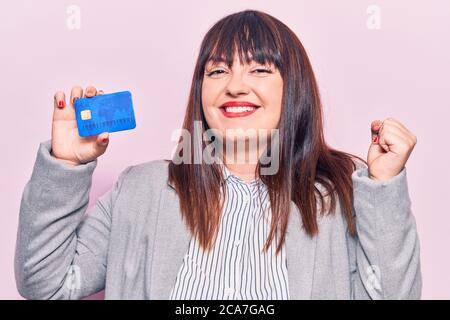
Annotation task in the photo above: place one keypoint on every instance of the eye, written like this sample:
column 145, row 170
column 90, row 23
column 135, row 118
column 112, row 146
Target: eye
column 263, row 70
column 258, row 71
column 215, row 72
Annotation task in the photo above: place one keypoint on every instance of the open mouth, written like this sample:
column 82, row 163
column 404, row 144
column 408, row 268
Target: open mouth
column 238, row 111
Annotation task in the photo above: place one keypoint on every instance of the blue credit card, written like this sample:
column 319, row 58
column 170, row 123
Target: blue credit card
column 105, row 113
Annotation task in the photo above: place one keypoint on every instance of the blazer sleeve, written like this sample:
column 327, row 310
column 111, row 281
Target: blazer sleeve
column 386, row 248
column 60, row 251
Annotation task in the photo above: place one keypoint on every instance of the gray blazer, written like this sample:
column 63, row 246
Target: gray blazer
column 132, row 242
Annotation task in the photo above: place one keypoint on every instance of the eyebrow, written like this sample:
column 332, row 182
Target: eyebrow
column 215, row 61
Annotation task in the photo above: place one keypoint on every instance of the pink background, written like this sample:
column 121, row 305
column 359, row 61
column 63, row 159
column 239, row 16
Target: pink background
column 400, row 70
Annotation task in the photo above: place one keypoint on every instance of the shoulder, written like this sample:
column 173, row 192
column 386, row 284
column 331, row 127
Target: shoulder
column 358, row 166
column 157, row 167
column 151, row 173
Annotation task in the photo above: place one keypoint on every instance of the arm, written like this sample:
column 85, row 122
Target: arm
column 60, row 253
column 387, row 250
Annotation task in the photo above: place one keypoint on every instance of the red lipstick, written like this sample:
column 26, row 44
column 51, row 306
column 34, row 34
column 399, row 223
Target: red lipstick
column 234, row 109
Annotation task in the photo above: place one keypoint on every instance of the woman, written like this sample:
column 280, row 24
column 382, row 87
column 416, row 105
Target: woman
column 308, row 222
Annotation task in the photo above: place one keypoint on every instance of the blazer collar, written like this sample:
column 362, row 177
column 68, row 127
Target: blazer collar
column 226, row 175
column 300, row 249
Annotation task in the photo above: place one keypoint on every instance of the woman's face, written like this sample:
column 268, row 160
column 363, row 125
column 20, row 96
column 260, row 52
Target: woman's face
column 256, row 91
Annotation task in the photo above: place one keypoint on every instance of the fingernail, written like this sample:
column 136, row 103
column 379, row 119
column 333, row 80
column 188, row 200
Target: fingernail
column 375, row 139
column 61, row 104
column 104, row 140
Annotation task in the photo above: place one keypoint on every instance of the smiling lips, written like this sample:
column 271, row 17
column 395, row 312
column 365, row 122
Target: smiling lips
column 235, row 109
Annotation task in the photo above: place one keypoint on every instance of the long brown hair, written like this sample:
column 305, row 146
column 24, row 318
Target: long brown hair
column 304, row 157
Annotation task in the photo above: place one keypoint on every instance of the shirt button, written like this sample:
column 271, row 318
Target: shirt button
column 237, row 242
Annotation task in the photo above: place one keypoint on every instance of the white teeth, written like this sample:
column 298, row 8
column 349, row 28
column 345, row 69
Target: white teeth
column 239, row 109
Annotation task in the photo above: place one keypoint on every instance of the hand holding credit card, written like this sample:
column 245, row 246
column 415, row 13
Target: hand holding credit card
column 105, row 113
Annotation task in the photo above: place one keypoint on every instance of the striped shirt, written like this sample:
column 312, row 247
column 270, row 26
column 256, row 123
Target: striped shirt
column 236, row 267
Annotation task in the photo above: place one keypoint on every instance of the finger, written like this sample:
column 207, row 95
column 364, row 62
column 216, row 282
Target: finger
column 389, row 126
column 103, row 139
column 384, row 141
column 375, row 126
column 377, row 130
column 60, row 111
column 75, row 93
column 100, row 92
column 90, row 92
column 59, row 99
column 391, row 141
column 399, row 125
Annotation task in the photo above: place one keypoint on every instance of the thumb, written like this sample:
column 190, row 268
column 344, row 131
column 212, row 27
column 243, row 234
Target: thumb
column 375, row 127
column 103, row 139
column 378, row 142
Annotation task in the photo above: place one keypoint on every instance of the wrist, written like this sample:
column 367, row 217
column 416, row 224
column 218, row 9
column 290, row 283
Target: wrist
column 69, row 162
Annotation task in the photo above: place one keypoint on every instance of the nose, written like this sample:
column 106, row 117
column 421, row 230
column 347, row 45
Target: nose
column 236, row 86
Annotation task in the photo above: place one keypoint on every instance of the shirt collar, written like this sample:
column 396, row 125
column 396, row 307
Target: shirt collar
column 226, row 172
column 228, row 176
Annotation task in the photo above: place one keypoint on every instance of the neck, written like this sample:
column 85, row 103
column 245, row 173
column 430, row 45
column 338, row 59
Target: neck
column 243, row 165
column 244, row 171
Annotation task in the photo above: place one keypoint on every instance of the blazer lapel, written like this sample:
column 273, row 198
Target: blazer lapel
column 172, row 240
column 300, row 253
column 171, row 244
